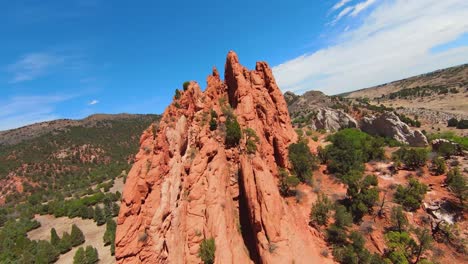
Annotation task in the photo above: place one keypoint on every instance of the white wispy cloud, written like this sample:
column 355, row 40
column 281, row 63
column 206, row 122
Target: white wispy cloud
column 351, row 10
column 343, row 13
column 358, row 8
column 23, row 110
column 394, row 41
column 340, row 4
column 93, row 102
column 33, row 65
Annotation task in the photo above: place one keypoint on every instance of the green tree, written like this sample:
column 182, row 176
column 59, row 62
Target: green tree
column 302, row 160
column 457, row 184
column 400, row 246
column 287, row 182
column 109, row 235
column 350, row 149
column 233, row 132
column 65, row 244
column 45, row 253
column 320, row 210
column 424, row 242
column 54, row 238
column 108, row 211
column 362, row 193
column 91, row 254
column 99, row 217
column 342, row 217
column 207, row 251
column 398, row 218
column 412, row 195
column 336, row 235
column 77, row 236
column 80, row 256
column 251, row 140
column 213, row 120
column 412, row 157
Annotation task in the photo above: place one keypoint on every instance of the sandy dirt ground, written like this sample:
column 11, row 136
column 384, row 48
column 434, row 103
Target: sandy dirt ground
column 92, row 232
column 118, row 185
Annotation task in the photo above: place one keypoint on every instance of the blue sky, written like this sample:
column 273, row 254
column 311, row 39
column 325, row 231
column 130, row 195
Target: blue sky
column 70, row 59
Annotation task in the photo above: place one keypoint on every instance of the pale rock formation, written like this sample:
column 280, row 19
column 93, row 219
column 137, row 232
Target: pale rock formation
column 389, row 125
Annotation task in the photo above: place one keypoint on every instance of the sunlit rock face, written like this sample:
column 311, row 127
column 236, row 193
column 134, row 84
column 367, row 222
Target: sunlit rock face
column 187, row 185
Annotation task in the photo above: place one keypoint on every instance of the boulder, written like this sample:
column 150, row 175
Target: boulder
column 332, row 120
column 389, row 125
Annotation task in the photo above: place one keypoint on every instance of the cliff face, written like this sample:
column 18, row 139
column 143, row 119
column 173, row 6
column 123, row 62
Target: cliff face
column 187, row 185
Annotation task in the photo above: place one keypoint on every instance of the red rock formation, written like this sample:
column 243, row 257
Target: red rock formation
column 186, row 185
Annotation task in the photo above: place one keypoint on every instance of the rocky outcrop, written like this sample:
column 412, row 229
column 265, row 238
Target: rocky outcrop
column 332, row 120
column 389, row 125
column 187, row 185
column 315, row 108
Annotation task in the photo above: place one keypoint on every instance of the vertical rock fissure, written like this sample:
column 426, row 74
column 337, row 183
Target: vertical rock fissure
column 248, row 232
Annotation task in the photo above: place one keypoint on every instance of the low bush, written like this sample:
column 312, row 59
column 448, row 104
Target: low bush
column 207, row 251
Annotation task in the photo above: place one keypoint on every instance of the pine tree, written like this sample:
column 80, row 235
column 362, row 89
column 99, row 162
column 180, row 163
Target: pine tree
column 65, row 244
column 99, row 217
column 91, row 255
column 77, row 236
column 54, row 238
column 108, row 209
column 80, row 257
column 45, row 252
column 115, row 209
column 109, row 235
column 90, row 213
column 342, row 217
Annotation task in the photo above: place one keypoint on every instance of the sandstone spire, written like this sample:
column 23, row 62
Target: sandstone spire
column 187, row 185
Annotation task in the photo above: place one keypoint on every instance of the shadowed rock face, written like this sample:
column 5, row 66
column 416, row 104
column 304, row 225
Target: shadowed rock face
column 186, row 185
column 389, row 125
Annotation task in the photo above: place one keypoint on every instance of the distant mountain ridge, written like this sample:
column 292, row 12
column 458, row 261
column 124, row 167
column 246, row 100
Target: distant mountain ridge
column 17, row 135
column 71, row 154
column 456, row 76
